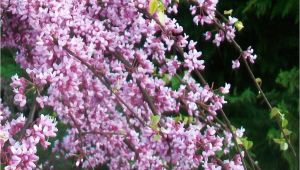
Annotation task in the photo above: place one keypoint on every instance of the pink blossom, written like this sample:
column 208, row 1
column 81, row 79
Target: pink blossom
column 20, row 100
column 248, row 54
column 232, row 20
column 240, row 132
column 204, row 17
column 219, row 37
column 230, row 33
column 173, row 9
column 235, row 64
column 42, row 100
column 225, row 90
column 18, row 82
column 23, row 154
column 173, row 65
column 191, row 60
column 207, row 35
column 19, row 85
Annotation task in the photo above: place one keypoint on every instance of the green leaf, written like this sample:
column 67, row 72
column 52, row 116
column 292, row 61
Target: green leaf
column 178, row 118
column 219, row 153
column 233, row 128
column 161, row 17
column 131, row 162
column 156, row 137
column 239, row 25
column 274, row 112
column 166, row 78
column 154, row 127
column 161, row 6
column 279, row 141
column 190, row 119
column 247, row 144
column 185, row 120
column 175, row 83
column 284, row 146
column 286, row 132
column 153, row 6
column 155, row 119
column 284, row 123
column 228, row 12
column 239, row 141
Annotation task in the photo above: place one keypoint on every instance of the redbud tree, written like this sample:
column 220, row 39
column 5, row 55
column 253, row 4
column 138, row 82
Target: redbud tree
column 126, row 80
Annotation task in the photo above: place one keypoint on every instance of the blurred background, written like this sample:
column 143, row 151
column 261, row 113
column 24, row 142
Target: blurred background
column 272, row 29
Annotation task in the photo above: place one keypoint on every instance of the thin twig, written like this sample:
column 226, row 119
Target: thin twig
column 80, row 138
column 253, row 164
column 147, row 98
column 29, row 120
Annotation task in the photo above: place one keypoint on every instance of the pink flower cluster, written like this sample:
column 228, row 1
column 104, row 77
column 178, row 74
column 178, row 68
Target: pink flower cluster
column 21, row 154
column 4, row 115
column 19, row 87
column 226, row 30
column 207, row 10
column 191, row 59
column 101, row 64
column 226, row 33
column 248, row 55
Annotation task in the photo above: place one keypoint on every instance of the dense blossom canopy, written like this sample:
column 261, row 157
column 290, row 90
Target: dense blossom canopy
column 104, row 66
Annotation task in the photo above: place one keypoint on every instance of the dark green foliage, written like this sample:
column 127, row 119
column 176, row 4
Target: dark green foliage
column 8, row 65
column 278, row 8
column 289, row 79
